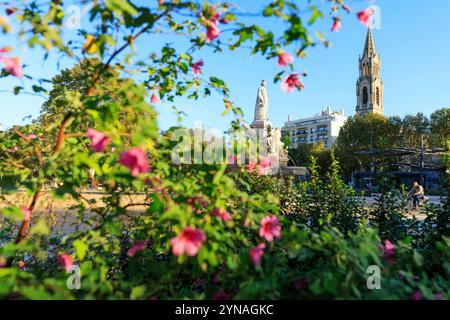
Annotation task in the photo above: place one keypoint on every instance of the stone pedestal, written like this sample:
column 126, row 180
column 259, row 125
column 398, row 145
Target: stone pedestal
column 284, row 160
column 260, row 124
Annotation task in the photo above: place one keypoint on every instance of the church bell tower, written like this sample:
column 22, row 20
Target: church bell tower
column 369, row 87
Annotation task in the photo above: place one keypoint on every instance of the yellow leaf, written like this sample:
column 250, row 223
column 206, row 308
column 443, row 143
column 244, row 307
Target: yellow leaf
column 90, row 46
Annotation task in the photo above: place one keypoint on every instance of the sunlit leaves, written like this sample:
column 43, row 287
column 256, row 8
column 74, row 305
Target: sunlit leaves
column 315, row 15
column 120, row 6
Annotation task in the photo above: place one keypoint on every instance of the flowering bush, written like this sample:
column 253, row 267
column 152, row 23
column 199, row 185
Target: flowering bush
column 199, row 232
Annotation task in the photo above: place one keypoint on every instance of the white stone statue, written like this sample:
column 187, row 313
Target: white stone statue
column 277, row 140
column 262, row 103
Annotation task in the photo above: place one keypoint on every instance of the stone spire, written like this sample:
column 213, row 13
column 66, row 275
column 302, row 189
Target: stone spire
column 369, row 87
column 369, row 48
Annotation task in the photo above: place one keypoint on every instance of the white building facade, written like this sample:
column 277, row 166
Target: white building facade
column 323, row 127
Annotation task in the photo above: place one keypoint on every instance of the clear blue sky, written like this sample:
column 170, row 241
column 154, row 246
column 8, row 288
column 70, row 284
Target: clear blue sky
column 413, row 43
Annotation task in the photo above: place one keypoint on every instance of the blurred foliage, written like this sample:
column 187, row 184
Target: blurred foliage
column 326, row 241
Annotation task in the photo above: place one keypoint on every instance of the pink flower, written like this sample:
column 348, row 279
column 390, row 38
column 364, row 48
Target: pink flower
column 417, row 295
column 198, row 201
column 197, row 67
column 136, row 247
column 212, row 31
column 26, row 212
column 5, row 49
column 32, row 136
column 189, row 241
column 347, row 8
column 222, row 214
column 336, row 25
column 439, row 296
column 135, row 160
column 216, row 18
column 215, row 15
column 160, row 2
column 10, row 11
column 232, row 159
column 21, row 265
column 12, row 66
column 284, row 59
column 155, row 98
column 270, row 228
column 264, row 164
column 256, row 253
column 291, row 82
column 251, row 166
column 388, row 248
column 66, row 261
column 365, row 16
column 221, row 295
column 13, row 150
column 99, row 140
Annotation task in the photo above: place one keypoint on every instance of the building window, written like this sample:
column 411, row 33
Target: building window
column 378, row 96
column 365, row 96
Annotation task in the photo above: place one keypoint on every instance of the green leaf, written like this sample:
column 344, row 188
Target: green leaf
column 418, row 259
column 80, row 249
column 17, row 89
column 121, row 5
column 13, row 212
column 40, row 229
column 137, row 292
column 316, row 14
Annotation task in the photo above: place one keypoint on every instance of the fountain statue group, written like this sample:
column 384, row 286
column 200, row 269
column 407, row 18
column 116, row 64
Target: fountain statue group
column 275, row 147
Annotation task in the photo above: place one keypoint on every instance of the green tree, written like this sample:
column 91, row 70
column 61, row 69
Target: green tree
column 67, row 89
column 365, row 133
column 440, row 128
column 413, row 128
column 304, row 152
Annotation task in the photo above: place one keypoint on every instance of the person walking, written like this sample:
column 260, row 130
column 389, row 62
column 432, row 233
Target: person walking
column 92, row 181
column 417, row 193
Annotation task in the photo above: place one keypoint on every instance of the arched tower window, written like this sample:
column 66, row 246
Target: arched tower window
column 378, row 96
column 365, row 96
column 366, row 70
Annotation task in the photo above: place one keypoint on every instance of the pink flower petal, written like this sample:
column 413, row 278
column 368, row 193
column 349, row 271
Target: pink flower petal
column 222, row 214
column 99, row 140
column 197, row 67
column 365, row 16
column 155, row 98
column 256, row 253
column 66, row 261
column 212, row 32
column 336, row 25
column 12, row 66
column 189, row 241
column 137, row 247
column 26, row 212
column 285, row 59
column 270, row 228
column 135, row 160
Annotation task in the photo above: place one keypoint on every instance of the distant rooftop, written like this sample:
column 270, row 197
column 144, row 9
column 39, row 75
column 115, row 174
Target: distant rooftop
column 325, row 113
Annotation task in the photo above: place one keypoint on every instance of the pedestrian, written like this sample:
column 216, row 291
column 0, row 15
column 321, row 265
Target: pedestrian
column 417, row 193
